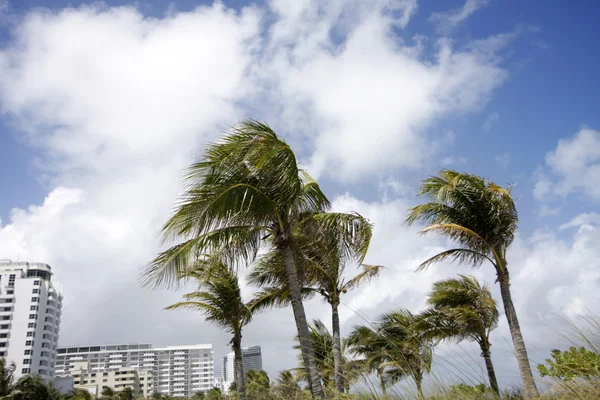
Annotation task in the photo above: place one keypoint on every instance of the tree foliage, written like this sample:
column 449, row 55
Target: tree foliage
column 574, row 363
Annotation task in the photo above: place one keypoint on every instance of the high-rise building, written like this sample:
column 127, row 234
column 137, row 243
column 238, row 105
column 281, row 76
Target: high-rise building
column 251, row 360
column 30, row 309
column 177, row 370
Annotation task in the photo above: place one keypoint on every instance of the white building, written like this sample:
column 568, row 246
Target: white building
column 140, row 381
column 178, row 370
column 251, row 360
column 30, row 309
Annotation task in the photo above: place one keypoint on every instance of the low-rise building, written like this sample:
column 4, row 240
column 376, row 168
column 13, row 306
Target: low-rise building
column 141, row 382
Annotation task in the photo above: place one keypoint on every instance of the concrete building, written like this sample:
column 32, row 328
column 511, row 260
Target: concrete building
column 178, row 370
column 140, row 381
column 251, row 360
column 30, row 310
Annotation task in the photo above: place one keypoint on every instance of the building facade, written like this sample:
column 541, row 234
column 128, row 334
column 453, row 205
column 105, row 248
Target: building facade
column 141, row 382
column 30, row 311
column 177, row 370
column 251, row 360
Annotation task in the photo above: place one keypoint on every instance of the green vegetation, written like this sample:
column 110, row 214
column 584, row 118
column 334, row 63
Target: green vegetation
column 571, row 364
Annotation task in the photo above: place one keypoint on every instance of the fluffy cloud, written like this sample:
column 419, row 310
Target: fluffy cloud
column 118, row 104
column 574, row 167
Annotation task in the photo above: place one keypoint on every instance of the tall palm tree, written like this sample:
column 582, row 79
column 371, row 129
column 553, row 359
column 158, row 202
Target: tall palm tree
column 482, row 218
column 366, row 342
column 462, row 308
column 324, row 265
column 32, row 387
column 222, row 304
column 408, row 352
column 246, row 192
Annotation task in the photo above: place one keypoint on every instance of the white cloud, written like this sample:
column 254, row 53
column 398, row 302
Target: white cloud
column 573, row 167
column 448, row 20
column 446, row 161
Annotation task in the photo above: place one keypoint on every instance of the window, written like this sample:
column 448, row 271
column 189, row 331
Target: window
column 29, row 343
column 27, row 361
column 7, row 309
column 5, row 317
column 8, row 300
column 3, row 335
column 31, row 325
column 104, row 380
column 32, row 316
column 42, row 372
column 35, row 299
column 47, row 336
column 30, row 334
column 33, row 308
column 4, row 326
column 45, row 354
column 27, row 352
column 10, row 291
column 25, row 371
column 35, row 291
column 36, row 283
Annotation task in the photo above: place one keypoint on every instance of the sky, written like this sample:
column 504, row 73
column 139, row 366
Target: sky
column 104, row 104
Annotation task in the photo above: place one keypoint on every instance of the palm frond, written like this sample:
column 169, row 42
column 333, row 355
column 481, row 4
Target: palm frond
column 369, row 272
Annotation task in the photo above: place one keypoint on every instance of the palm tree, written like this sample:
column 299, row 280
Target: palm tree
column 408, row 352
column 482, row 218
column 107, row 392
column 324, row 344
column 246, row 192
column 7, row 377
column 79, row 394
column 366, row 342
column 287, row 386
column 222, row 304
column 324, row 264
column 32, row 387
column 462, row 308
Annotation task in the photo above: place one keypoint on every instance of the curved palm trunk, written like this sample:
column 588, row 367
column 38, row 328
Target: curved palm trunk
column 529, row 388
column 382, row 382
column 238, row 365
column 337, row 349
column 419, row 382
column 487, row 356
column 306, row 347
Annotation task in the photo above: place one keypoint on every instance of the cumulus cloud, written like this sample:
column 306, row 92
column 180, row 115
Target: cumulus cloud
column 118, row 104
column 446, row 21
column 573, row 167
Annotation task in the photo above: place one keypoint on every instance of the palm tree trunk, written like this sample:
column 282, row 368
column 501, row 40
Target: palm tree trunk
column 487, row 356
column 382, row 382
column 308, row 353
column 238, row 366
column 419, row 382
column 529, row 388
column 337, row 348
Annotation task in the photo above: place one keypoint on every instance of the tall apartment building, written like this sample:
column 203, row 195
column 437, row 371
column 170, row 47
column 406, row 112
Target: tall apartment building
column 177, row 370
column 30, row 309
column 251, row 360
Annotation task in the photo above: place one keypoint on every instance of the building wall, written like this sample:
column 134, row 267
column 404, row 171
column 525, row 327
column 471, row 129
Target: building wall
column 178, row 370
column 30, row 311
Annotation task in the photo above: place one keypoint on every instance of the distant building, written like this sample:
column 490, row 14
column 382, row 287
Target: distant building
column 178, row 371
column 251, row 360
column 30, row 310
column 140, row 381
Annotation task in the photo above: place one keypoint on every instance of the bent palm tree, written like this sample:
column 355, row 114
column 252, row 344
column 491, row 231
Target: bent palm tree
column 366, row 342
column 247, row 191
column 324, row 344
column 482, row 217
column 7, row 377
column 462, row 308
column 221, row 302
column 408, row 352
column 324, row 261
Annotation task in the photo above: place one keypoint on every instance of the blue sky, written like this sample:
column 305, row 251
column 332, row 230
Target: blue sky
column 103, row 106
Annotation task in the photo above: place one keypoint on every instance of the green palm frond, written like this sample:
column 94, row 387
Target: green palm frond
column 369, row 272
